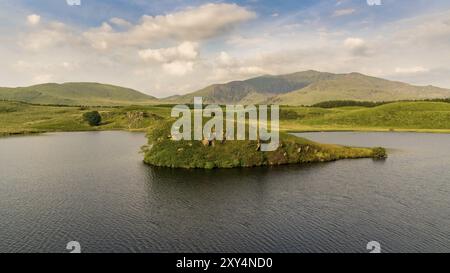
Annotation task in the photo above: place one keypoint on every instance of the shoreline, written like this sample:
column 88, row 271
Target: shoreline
column 368, row 130
column 32, row 133
column 289, row 131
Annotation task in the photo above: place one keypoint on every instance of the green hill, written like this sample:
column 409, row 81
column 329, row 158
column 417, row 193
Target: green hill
column 359, row 87
column 310, row 87
column 256, row 90
column 398, row 116
column 76, row 94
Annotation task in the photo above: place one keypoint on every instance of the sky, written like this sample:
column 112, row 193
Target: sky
column 168, row 47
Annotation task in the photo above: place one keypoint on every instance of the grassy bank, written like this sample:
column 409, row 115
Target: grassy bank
column 23, row 118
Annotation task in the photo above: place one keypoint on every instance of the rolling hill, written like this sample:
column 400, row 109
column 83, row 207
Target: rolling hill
column 359, row 87
column 407, row 116
column 255, row 90
column 301, row 88
column 76, row 94
column 310, row 87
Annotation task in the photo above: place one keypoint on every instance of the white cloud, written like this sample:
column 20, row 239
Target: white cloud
column 185, row 51
column 193, row 24
column 411, row 70
column 53, row 34
column 353, row 43
column 226, row 68
column 343, row 12
column 45, row 78
column 33, row 19
column 178, row 68
column 357, row 46
column 120, row 22
column 225, row 59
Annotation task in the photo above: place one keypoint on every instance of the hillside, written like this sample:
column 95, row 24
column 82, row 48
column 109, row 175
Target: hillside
column 75, row 94
column 398, row 116
column 359, row 87
column 310, row 87
column 255, row 90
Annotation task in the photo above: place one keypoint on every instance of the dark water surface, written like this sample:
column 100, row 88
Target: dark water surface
column 94, row 188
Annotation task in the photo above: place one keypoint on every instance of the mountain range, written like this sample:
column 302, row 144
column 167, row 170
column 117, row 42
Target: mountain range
column 301, row 88
column 89, row 94
column 310, row 87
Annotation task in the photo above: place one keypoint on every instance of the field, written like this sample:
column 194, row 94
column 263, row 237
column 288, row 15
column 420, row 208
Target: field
column 399, row 116
column 23, row 118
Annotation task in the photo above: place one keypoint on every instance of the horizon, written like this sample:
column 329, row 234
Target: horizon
column 219, row 83
column 167, row 48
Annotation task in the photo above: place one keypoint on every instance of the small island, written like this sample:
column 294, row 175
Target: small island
column 162, row 151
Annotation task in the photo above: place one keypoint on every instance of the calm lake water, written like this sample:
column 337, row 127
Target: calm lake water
column 94, row 188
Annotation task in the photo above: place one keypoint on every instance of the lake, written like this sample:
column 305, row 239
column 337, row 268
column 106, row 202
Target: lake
column 93, row 188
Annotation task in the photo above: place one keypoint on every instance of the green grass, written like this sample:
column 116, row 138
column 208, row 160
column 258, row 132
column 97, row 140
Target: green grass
column 164, row 152
column 76, row 94
column 400, row 116
column 22, row 118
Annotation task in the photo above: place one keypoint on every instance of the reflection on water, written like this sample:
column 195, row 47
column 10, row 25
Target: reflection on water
column 94, row 188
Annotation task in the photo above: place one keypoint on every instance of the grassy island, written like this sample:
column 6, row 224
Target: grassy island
column 164, row 152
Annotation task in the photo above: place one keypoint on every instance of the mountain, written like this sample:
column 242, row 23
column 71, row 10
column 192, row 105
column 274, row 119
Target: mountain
column 359, row 87
column 310, row 87
column 301, row 88
column 76, row 94
column 256, row 90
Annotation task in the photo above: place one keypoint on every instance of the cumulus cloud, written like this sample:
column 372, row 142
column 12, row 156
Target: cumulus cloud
column 226, row 67
column 225, row 59
column 357, row 46
column 120, row 22
column 192, row 24
column 44, row 78
column 411, row 70
column 186, row 51
column 178, row 68
column 53, row 34
column 343, row 12
column 33, row 19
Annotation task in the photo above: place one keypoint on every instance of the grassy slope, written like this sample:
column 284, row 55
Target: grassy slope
column 356, row 86
column 401, row 116
column 164, row 152
column 19, row 118
column 254, row 91
column 310, row 87
column 16, row 118
column 76, row 94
